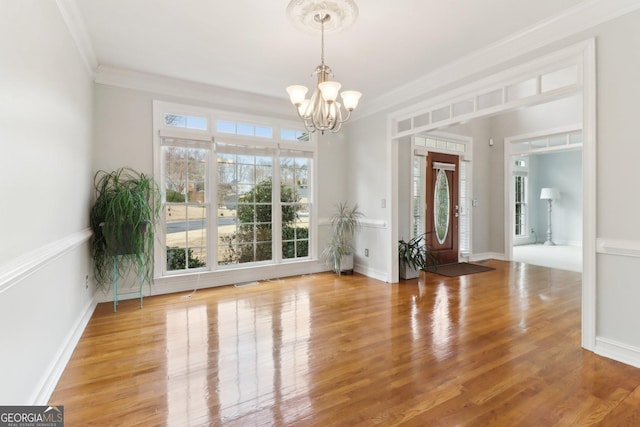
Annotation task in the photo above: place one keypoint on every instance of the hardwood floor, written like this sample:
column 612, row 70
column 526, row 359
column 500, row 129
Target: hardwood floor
column 499, row 348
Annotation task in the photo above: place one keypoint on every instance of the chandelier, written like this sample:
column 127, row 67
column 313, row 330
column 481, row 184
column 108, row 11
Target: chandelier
column 322, row 111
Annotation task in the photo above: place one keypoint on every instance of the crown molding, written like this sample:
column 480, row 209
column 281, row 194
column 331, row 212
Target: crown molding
column 215, row 96
column 75, row 25
column 571, row 22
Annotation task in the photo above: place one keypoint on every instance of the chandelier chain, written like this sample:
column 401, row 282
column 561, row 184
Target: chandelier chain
column 322, row 19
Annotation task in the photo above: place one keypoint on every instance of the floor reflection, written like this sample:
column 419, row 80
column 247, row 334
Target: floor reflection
column 187, row 346
column 441, row 323
column 263, row 356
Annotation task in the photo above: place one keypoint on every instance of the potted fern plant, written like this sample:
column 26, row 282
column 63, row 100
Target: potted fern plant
column 339, row 252
column 122, row 218
column 414, row 256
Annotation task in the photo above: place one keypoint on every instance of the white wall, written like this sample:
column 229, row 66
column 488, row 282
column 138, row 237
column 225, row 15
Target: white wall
column 368, row 184
column 45, row 182
column 405, row 184
column 123, row 129
column 484, row 170
column 618, row 293
column 333, row 168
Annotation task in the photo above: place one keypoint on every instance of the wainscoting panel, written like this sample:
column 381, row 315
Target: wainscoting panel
column 46, row 301
column 617, row 300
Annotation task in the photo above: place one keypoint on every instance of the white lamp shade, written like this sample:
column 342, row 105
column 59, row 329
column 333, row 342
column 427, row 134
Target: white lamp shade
column 549, row 194
column 329, row 90
column 297, row 94
column 350, row 99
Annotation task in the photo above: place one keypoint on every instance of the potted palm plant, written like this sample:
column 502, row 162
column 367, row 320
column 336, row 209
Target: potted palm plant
column 414, row 256
column 339, row 252
column 122, row 218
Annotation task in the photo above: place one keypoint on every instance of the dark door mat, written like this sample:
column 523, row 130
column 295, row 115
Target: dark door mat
column 458, row 269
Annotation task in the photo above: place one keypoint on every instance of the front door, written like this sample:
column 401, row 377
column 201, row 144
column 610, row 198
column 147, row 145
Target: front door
column 442, row 207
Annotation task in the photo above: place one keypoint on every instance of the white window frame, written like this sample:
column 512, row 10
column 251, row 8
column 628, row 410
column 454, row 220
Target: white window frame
column 161, row 262
column 275, row 145
column 524, row 173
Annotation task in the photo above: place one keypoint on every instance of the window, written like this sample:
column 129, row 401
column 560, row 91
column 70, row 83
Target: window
column 440, row 144
column 245, row 184
column 245, row 200
column 295, row 204
column 187, row 122
column 418, row 195
column 520, row 195
column 185, row 208
column 545, row 143
column 464, row 220
column 520, row 208
column 244, row 129
column 294, row 135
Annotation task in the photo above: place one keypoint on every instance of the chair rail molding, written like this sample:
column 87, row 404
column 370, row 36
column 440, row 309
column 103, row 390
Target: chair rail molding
column 25, row 265
column 629, row 248
column 364, row 222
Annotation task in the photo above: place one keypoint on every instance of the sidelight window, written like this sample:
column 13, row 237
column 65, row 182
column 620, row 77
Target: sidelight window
column 520, row 207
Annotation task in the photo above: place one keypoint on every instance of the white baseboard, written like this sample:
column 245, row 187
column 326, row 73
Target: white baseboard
column 567, row 242
column 212, row 279
column 47, row 384
column 618, row 351
column 485, row 256
column 370, row 272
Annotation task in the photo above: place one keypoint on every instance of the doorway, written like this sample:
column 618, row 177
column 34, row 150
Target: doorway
column 509, row 90
column 552, row 160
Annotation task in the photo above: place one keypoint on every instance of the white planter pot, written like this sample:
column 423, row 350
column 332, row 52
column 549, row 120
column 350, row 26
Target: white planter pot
column 346, row 264
column 407, row 272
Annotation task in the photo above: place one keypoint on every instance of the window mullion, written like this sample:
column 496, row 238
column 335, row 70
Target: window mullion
column 161, row 232
column 276, row 217
column 211, row 201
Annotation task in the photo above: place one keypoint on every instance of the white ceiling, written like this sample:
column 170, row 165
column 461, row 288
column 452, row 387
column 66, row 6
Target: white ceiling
column 251, row 45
